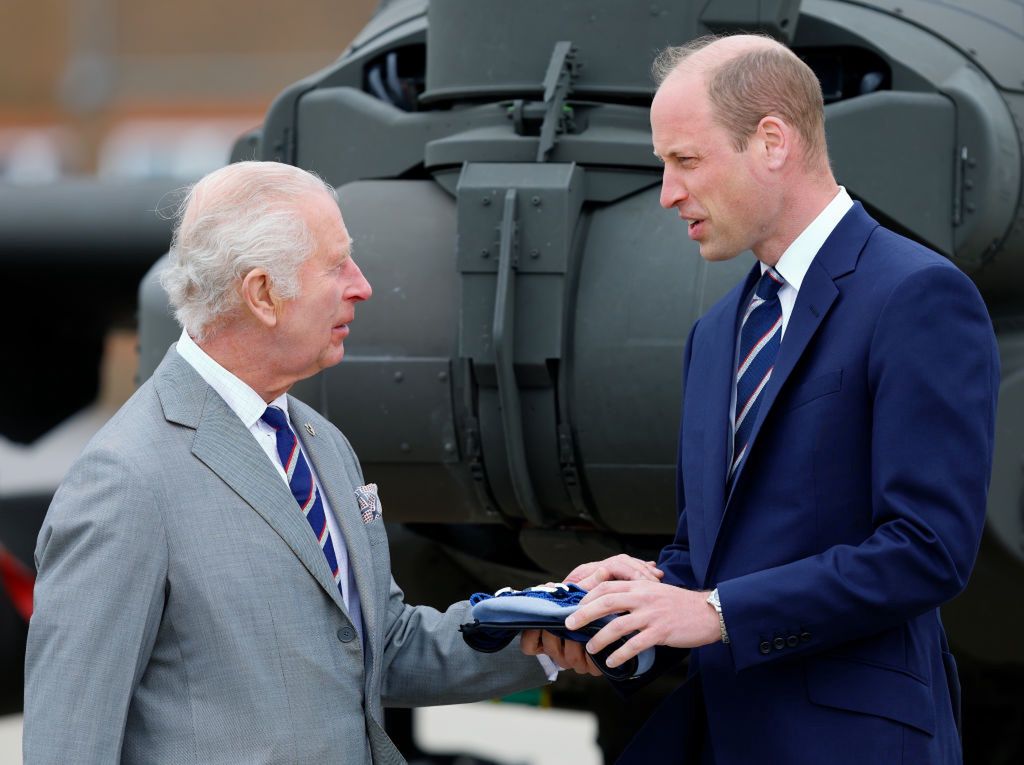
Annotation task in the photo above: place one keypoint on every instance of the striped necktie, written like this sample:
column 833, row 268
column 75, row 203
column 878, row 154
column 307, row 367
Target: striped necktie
column 760, row 337
column 300, row 479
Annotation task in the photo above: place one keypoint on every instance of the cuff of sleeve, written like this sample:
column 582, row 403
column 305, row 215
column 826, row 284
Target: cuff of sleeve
column 549, row 667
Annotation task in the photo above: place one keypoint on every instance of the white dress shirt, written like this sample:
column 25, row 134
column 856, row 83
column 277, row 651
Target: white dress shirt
column 249, row 406
column 795, row 261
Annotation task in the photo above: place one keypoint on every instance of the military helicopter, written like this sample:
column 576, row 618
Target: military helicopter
column 513, row 386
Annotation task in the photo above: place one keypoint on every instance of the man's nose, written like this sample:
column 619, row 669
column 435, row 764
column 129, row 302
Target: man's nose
column 360, row 288
column 673, row 191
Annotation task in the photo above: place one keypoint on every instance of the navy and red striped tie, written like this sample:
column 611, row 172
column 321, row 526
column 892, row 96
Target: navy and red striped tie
column 303, row 487
column 760, row 337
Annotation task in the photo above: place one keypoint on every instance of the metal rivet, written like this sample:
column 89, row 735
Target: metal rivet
column 449, row 447
column 970, row 207
column 534, row 253
column 485, row 253
column 486, row 201
column 442, row 376
column 535, row 201
column 399, row 377
column 404, row 447
column 968, row 184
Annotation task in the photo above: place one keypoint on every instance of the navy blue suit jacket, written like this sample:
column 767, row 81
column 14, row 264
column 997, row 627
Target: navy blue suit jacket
column 858, row 511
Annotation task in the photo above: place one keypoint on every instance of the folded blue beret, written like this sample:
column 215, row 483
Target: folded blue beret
column 498, row 618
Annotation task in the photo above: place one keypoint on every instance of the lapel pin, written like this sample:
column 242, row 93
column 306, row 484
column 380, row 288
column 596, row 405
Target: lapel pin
column 309, row 429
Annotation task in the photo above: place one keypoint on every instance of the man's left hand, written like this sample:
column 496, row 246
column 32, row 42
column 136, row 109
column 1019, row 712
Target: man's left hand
column 660, row 614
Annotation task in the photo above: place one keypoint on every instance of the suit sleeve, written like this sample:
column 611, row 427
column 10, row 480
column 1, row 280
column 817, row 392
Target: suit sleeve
column 102, row 563
column 426, row 661
column 933, row 376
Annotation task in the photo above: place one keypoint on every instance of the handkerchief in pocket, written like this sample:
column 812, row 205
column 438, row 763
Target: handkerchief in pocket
column 369, row 502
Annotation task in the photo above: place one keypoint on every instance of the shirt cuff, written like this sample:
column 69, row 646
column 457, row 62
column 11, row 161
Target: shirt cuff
column 549, row 667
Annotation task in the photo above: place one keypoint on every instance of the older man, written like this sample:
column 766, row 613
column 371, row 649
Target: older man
column 214, row 582
column 835, row 447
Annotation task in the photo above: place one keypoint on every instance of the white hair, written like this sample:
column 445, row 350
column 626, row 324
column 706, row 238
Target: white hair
column 244, row 216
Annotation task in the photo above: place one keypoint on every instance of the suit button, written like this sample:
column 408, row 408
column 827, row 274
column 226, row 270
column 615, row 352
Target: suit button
column 779, row 643
column 346, row 634
column 765, row 647
column 792, row 640
column 805, row 636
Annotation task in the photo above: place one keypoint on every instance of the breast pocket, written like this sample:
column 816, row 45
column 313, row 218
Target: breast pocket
column 815, row 388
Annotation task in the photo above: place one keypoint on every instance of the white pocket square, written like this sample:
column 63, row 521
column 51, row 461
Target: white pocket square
column 369, row 502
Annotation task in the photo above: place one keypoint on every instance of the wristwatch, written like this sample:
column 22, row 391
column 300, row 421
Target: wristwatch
column 716, row 604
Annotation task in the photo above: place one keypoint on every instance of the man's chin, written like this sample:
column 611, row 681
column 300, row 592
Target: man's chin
column 333, row 356
column 713, row 254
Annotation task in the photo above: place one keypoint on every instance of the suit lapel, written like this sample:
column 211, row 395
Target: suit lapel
column 340, row 493
column 818, row 292
column 226, row 446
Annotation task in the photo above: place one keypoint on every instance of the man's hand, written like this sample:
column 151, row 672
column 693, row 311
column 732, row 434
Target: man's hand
column 660, row 614
column 567, row 654
column 617, row 568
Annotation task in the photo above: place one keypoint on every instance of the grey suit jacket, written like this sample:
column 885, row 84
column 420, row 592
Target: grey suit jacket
column 184, row 612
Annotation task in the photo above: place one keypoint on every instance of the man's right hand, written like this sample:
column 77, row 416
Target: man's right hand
column 620, row 567
column 568, row 654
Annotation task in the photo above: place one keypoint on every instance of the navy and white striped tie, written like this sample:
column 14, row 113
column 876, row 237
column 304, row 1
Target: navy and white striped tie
column 760, row 337
column 300, row 480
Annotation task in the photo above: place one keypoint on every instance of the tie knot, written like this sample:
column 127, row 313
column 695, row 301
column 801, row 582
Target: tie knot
column 769, row 285
column 275, row 418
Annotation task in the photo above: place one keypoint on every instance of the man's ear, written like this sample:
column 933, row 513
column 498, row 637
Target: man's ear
column 775, row 137
column 258, row 297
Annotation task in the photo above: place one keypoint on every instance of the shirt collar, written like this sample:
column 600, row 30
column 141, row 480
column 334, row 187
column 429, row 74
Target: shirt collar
column 240, row 398
column 795, row 261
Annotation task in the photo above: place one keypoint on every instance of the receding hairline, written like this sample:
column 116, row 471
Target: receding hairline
column 704, row 55
column 746, row 78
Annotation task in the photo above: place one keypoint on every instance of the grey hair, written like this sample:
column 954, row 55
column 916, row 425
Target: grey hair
column 243, row 216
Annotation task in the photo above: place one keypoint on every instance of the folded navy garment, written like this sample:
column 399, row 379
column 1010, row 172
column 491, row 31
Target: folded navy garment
column 498, row 618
